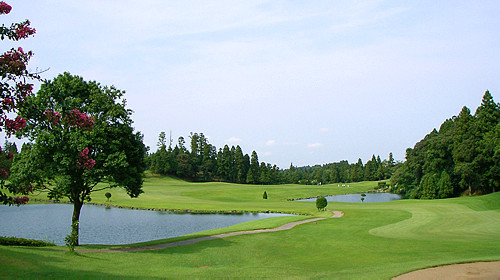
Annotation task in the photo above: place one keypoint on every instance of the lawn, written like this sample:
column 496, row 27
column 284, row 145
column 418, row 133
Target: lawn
column 371, row 241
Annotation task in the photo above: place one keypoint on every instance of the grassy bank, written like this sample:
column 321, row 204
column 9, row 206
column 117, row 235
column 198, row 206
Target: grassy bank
column 371, row 241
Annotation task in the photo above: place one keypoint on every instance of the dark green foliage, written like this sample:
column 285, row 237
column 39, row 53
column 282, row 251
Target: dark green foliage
column 463, row 157
column 230, row 164
column 7, row 153
column 264, row 196
column 52, row 161
column 108, row 195
column 14, row 241
column 321, row 203
column 445, row 187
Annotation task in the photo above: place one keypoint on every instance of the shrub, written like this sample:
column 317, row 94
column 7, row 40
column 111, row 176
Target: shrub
column 382, row 185
column 264, row 196
column 321, row 203
column 14, row 241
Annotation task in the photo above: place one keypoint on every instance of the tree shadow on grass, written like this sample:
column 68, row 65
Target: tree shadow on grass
column 26, row 264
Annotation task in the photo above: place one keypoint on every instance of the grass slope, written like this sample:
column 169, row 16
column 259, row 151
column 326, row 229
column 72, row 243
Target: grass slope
column 371, row 241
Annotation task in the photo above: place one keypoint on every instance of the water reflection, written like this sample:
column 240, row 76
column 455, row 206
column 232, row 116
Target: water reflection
column 368, row 198
column 106, row 225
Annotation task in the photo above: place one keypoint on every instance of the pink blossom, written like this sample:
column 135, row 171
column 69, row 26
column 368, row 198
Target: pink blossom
column 24, row 89
column 52, row 116
column 8, row 102
column 27, row 190
column 3, row 174
column 15, row 125
column 14, row 61
column 84, row 161
column 20, row 200
column 10, row 155
column 24, row 32
column 4, row 8
column 76, row 118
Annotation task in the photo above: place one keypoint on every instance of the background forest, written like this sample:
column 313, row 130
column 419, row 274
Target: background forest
column 462, row 156
column 203, row 162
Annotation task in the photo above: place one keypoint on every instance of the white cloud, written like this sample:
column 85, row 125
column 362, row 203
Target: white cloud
column 324, row 130
column 233, row 140
column 271, row 143
column 314, row 145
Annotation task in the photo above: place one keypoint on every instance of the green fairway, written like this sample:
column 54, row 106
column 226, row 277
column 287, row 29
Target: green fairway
column 371, row 241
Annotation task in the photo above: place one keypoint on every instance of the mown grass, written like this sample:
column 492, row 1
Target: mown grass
column 371, row 241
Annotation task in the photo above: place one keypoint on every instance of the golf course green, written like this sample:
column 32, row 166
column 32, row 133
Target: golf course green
column 371, row 240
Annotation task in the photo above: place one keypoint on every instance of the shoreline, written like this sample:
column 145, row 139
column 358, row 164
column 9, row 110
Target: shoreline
column 176, row 211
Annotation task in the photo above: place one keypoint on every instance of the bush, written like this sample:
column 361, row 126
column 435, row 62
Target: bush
column 264, row 196
column 382, row 185
column 14, row 241
column 321, row 203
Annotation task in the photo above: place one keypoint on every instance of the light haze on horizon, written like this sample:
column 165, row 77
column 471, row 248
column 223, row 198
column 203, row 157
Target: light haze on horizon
column 308, row 82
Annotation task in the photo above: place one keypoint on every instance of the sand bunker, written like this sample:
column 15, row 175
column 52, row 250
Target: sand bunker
column 465, row 271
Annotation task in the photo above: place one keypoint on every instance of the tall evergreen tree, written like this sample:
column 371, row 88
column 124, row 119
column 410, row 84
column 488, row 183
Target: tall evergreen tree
column 253, row 175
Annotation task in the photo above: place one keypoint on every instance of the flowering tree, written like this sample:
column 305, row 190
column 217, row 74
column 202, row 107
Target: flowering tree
column 80, row 136
column 14, row 89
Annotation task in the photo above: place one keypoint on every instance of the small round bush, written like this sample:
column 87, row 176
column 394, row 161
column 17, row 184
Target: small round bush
column 321, row 203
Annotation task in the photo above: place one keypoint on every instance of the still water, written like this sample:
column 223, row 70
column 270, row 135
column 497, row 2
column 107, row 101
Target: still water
column 369, row 198
column 110, row 226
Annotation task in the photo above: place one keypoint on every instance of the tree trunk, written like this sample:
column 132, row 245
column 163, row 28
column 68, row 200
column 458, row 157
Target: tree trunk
column 75, row 221
column 470, row 190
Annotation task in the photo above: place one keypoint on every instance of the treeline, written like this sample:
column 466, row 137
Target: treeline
column 463, row 157
column 342, row 172
column 203, row 162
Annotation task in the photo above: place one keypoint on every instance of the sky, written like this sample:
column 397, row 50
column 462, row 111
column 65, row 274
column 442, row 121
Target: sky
column 302, row 82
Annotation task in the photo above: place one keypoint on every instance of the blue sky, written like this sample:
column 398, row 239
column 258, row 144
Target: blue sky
column 308, row 82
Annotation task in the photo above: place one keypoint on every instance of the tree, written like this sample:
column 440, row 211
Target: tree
column 363, row 197
column 429, row 186
column 445, row 188
column 321, row 203
column 462, row 157
column 14, row 89
column 80, row 136
column 390, row 161
column 466, row 142
column 264, row 196
column 108, row 196
column 254, row 170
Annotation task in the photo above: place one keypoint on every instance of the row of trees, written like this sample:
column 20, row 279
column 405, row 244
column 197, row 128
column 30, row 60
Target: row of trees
column 203, row 162
column 462, row 157
column 342, row 172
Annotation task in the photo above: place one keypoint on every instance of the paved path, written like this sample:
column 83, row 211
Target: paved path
column 336, row 214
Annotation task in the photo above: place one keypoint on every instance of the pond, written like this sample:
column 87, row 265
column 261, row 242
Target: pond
column 110, row 226
column 369, row 198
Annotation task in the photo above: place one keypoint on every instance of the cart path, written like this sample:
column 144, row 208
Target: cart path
column 336, row 214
